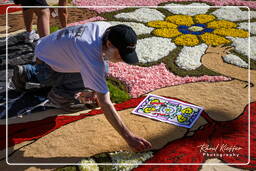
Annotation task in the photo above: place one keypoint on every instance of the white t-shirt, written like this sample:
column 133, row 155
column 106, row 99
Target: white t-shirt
column 77, row 49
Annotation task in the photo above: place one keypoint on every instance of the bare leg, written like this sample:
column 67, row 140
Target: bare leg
column 43, row 21
column 62, row 12
column 28, row 18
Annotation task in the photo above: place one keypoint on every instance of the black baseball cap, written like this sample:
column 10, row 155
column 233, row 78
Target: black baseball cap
column 124, row 39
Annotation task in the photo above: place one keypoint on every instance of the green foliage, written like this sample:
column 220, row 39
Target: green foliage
column 54, row 28
column 118, row 95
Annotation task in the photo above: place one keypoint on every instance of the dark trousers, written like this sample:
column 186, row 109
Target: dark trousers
column 63, row 84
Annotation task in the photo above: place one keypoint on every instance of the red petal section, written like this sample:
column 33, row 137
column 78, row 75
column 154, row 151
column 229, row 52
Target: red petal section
column 234, row 134
column 5, row 6
column 226, row 137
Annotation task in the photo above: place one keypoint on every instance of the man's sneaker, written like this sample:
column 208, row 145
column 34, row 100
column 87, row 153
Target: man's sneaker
column 19, row 78
column 66, row 104
column 30, row 37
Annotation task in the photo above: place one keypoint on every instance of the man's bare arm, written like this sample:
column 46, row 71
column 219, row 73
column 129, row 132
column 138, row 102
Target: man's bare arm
column 137, row 143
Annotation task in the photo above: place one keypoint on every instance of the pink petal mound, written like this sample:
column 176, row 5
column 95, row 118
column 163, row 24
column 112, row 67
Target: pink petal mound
column 141, row 80
column 98, row 18
column 126, row 3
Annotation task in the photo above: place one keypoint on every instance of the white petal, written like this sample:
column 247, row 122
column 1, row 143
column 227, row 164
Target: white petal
column 231, row 14
column 235, row 60
column 253, row 14
column 137, row 27
column 153, row 49
column 129, row 157
column 188, row 9
column 142, row 15
column 217, row 161
column 85, row 167
column 242, row 46
column 253, row 48
column 245, row 27
column 190, row 57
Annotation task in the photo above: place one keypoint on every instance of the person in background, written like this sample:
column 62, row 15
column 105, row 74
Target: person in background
column 43, row 17
column 63, row 14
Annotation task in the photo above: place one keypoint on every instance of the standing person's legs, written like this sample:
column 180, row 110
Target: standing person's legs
column 30, row 35
column 43, row 21
column 28, row 18
column 62, row 12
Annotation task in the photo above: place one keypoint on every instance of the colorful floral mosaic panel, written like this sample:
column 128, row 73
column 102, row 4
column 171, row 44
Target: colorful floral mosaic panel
column 179, row 34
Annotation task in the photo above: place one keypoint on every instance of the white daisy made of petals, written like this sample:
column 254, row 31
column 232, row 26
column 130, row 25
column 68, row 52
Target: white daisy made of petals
column 253, row 14
column 235, row 60
column 245, row 26
column 137, row 27
column 85, row 167
column 253, row 48
column 122, row 157
column 188, row 9
column 190, row 57
column 142, row 15
column 231, row 13
column 153, row 48
column 242, row 46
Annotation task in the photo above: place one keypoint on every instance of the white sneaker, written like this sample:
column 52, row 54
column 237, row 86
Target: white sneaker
column 30, row 37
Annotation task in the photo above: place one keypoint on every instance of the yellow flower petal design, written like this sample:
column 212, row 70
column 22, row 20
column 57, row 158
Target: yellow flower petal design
column 231, row 32
column 180, row 20
column 161, row 24
column 187, row 40
column 204, row 18
column 221, row 24
column 166, row 32
column 212, row 39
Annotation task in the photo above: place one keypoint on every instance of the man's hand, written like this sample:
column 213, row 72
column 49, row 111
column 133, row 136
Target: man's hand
column 138, row 144
column 221, row 49
column 86, row 97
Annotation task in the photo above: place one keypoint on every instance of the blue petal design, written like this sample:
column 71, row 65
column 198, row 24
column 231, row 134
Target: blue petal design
column 209, row 30
column 200, row 25
column 197, row 32
column 184, row 29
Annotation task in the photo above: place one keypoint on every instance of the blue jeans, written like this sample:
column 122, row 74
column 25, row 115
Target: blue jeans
column 63, row 84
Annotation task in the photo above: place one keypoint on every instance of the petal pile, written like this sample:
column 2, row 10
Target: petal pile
column 141, row 80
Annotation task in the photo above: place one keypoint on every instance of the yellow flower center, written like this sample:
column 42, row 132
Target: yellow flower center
column 195, row 28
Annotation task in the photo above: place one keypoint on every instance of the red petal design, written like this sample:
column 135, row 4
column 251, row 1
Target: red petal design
column 232, row 133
